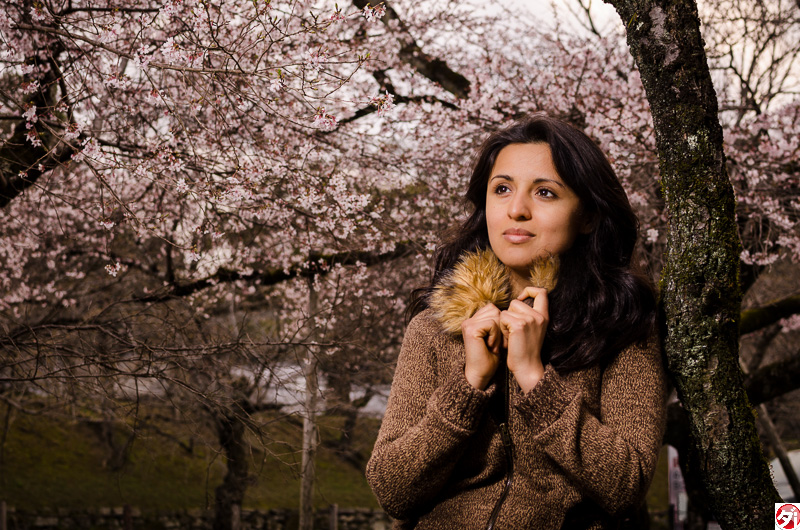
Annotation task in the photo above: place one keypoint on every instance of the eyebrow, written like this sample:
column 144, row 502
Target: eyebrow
column 535, row 181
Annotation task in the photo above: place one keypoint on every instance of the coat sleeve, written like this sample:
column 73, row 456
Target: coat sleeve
column 426, row 425
column 610, row 457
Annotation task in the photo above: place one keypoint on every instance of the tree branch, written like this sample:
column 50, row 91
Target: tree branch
column 321, row 264
column 430, row 67
column 758, row 318
column 157, row 65
column 116, row 9
column 366, row 111
column 773, row 380
column 21, row 162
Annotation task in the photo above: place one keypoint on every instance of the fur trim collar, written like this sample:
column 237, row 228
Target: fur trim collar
column 479, row 279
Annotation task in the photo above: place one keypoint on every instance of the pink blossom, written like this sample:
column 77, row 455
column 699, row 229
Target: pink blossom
column 170, row 9
column 375, row 13
column 33, row 138
column 155, row 97
column 790, row 324
column 384, row 102
column 276, row 85
column 315, row 58
column 90, row 150
column 182, row 187
column 38, row 14
column 30, row 114
column 114, row 269
column 72, row 132
column 325, row 121
column 171, row 51
column 116, row 81
column 30, row 87
column 110, row 33
column 368, row 185
column 142, row 58
column 176, row 164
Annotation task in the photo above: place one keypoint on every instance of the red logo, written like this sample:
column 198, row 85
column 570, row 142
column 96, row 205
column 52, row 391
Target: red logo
column 787, row 516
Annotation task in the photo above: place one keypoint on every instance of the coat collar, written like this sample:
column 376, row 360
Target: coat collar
column 479, row 278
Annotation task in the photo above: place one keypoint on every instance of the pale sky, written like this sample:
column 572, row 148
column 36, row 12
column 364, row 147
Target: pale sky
column 605, row 17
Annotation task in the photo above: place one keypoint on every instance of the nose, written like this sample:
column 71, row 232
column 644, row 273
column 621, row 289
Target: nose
column 519, row 209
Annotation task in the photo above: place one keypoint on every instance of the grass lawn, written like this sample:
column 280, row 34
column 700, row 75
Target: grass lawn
column 52, row 463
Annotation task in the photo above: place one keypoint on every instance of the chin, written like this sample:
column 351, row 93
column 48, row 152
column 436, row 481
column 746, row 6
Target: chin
column 518, row 261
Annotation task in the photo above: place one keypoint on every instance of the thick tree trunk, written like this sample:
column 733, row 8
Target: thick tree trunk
column 230, row 494
column 700, row 295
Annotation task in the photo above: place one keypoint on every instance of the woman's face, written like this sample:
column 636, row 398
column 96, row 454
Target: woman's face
column 530, row 211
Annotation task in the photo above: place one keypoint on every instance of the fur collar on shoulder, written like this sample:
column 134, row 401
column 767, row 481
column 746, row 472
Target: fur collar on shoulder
column 479, row 278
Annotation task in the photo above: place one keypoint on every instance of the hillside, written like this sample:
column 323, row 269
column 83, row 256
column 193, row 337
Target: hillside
column 61, row 463
column 51, row 462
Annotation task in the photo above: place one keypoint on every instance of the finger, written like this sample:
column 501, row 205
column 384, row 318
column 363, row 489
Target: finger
column 482, row 318
column 503, row 327
column 531, row 292
column 519, row 308
column 488, row 309
column 541, row 304
column 493, row 339
column 539, row 295
column 514, row 321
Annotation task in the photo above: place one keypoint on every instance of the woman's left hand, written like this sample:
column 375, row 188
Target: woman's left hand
column 523, row 329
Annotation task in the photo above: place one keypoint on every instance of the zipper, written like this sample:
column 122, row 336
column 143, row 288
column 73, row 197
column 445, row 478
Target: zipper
column 508, row 447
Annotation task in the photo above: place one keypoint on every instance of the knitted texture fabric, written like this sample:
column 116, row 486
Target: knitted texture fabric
column 586, row 442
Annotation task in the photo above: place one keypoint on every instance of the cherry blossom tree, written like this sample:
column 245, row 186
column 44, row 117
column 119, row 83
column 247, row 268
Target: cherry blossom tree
column 185, row 158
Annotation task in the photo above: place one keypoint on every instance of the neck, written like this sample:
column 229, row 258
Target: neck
column 518, row 281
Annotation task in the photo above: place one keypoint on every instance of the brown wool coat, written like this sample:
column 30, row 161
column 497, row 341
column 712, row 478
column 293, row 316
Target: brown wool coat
column 585, row 443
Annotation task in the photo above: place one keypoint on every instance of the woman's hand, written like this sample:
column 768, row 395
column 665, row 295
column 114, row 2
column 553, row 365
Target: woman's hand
column 482, row 341
column 523, row 330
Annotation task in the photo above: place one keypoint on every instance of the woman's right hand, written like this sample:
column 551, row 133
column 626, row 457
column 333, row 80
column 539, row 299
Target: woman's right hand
column 483, row 339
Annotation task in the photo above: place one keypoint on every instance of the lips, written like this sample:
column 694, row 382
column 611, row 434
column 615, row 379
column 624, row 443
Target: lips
column 517, row 235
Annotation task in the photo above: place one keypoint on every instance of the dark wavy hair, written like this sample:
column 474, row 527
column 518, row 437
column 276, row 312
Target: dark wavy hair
column 601, row 303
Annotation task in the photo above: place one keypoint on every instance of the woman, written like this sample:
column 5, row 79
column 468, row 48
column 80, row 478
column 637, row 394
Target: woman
column 548, row 411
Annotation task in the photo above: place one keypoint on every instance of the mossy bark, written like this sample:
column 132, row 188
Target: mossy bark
column 700, row 292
